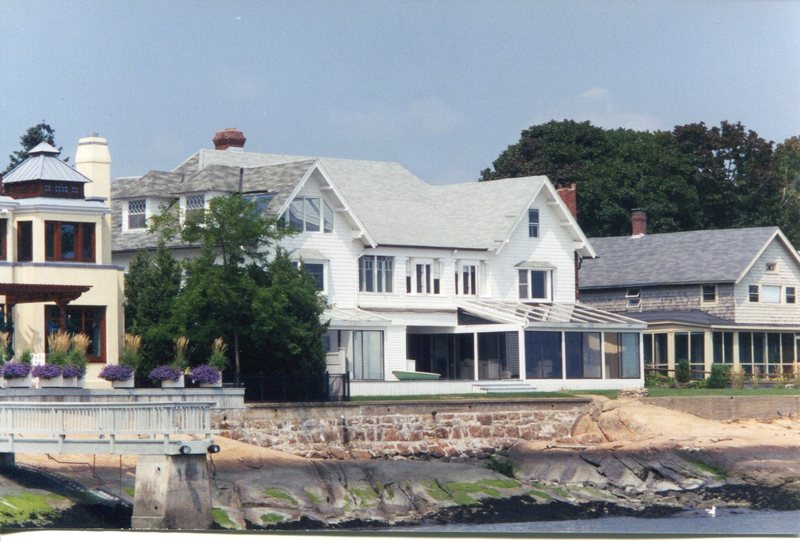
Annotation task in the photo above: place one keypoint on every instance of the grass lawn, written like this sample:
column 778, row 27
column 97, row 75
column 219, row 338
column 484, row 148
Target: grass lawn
column 480, row 396
column 761, row 391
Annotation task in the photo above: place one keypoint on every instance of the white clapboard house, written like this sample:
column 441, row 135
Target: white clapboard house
column 473, row 282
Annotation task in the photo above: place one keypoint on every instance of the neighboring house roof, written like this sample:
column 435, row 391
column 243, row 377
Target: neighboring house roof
column 42, row 164
column 393, row 205
column 691, row 317
column 691, row 257
column 159, row 184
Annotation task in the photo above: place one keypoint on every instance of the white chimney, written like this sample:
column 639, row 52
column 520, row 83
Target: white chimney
column 94, row 160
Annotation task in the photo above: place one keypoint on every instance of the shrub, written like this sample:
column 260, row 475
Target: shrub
column 116, row 372
column 165, row 373
column 205, row 374
column 737, row 378
column 682, row 371
column 26, row 356
column 46, row 371
column 720, row 376
column 16, row 370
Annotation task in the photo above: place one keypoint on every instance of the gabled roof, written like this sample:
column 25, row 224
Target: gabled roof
column 159, row 184
column 708, row 256
column 42, row 164
column 389, row 203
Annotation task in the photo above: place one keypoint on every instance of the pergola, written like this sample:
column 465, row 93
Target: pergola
column 60, row 294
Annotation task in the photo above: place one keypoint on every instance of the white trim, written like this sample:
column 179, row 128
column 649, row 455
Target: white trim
column 786, row 244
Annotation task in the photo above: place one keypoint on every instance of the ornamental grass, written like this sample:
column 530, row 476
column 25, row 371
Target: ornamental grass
column 131, row 350
column 217, row 359
column 58, row 344
column 181, row 346
column 4, row 338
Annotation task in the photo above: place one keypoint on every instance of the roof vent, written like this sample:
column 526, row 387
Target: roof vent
column 44, row 148
column 229, row 138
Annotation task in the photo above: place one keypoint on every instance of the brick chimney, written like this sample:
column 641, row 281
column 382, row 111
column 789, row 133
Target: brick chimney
column 229, row 138
column 569, row 196
column 638, row 223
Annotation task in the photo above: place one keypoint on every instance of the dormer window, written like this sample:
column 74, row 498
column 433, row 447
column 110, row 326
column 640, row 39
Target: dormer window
column 634, row 297
column 533, row 223
column 137, row 216
column 195, row 207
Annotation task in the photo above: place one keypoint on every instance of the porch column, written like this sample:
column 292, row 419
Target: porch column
column 475, row 356
column 523, row 375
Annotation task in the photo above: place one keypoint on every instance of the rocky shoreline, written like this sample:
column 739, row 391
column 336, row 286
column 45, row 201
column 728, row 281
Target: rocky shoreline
column 623, row 458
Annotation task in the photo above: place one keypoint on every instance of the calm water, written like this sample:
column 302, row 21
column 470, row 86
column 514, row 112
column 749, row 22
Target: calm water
column 726, row 522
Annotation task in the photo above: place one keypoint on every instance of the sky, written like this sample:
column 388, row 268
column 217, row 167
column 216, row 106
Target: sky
column 441, row 87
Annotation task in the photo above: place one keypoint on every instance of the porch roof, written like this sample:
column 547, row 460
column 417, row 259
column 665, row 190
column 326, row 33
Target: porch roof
column 549, row 315
column 352, row 317
column 58, row 293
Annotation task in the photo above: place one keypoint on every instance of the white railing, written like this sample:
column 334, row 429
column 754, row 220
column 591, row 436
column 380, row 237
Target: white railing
column 335, row 361
column 104, row 426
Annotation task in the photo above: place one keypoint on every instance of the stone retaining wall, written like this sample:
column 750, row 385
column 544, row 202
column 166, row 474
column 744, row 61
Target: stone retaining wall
column 723, row 408
column 457, row 429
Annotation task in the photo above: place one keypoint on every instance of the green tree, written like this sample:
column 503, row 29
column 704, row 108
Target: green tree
column 694, row 177
column 32, row 137
column 215, row 301
column 151, row 289
column 287, row 330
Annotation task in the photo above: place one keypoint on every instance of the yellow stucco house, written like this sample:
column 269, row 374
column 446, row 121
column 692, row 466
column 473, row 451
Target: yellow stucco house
column 55, row 253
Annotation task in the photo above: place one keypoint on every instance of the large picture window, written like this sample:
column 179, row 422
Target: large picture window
column 543, row 354
column 67, row 241
column 308, row 214
column 375, row 273
column 622, row 355
column 367, row 355
column 583, row 356
column 89, row 320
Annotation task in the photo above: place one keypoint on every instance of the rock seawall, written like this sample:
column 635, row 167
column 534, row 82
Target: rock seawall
column 439, row 429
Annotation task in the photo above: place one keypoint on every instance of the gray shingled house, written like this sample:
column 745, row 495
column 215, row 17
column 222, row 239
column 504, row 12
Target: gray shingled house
column 713, row 296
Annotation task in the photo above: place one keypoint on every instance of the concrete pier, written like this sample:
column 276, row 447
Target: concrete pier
column 172, row 493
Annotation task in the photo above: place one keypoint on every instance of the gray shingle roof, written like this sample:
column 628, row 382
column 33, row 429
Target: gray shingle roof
column 692, row 317
column 153, row 184
column 395, row 206
column 690, row 257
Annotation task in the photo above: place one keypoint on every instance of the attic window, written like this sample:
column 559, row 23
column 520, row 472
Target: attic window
column 634, row 296
column 772, row 266
column 304, row 215
column 195, row 206
column 137, row 218
column 533, row 223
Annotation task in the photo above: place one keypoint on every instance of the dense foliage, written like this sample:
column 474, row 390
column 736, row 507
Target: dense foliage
column 694, row 177
column 237, row 290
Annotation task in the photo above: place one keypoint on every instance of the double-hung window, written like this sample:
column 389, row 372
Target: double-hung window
column 709, row 294
column 317, row 272
column 534, row 285
column 533, row 222
column 137, row 216
column 375, row 273
column 466, row 278
column 422, row 277
column 634, row 297
column 791, row 295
